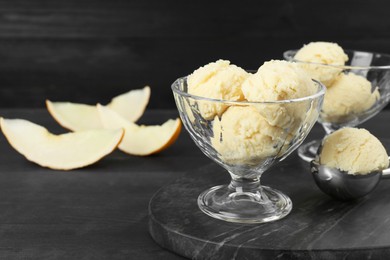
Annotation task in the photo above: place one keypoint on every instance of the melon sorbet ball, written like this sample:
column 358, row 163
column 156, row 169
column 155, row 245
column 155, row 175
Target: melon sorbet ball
column 280, row 80
column 324, row 53
column 217, row 80
column 349, row 94
column 243, row 136
column 353, row 150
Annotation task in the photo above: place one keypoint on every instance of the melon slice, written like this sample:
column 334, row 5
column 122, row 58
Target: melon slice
column 131, row 105
column 141, row 140
column 74, row 116
column 78, row 117
column 61, row 152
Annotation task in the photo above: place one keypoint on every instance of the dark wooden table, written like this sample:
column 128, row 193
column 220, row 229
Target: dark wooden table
column 100, row 212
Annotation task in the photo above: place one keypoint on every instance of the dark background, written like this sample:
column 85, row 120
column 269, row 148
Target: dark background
column 90, row 51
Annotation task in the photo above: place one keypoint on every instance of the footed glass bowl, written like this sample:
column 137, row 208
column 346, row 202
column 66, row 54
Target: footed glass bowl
column 347, row 108
column 240, row 138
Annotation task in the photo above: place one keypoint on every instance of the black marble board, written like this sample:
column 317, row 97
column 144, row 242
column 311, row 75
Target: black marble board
column 317, row 227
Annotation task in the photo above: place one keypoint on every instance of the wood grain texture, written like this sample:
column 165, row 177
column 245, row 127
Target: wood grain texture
column 98, row 212
column 88, row 51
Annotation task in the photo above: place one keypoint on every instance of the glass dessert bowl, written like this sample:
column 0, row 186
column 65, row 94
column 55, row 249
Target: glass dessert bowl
column 240, row 139
column 359, row 90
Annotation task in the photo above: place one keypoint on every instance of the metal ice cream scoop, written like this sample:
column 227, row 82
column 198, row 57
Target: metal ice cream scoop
column 340, row 184
column 343, row 186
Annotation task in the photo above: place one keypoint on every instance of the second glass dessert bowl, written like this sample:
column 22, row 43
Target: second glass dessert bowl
column 238, row 136
column 348, row 105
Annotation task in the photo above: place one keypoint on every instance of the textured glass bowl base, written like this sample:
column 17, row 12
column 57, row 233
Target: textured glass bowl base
column 308, row 151
column 262, row 206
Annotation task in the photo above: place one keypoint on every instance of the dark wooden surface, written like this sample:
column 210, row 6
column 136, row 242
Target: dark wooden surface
column 99, row 212
column 90, row 50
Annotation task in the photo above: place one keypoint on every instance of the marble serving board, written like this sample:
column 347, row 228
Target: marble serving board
column 317, row 227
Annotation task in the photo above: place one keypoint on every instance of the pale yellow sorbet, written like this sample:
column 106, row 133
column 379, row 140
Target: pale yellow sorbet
column 350, row 94
column 279, row 80
column 243, row 136
column 355, row 151
column 323, row 53
column 216, row 80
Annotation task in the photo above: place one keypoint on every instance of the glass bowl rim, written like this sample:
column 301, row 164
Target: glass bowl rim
column 319, row 93
column 287, row 56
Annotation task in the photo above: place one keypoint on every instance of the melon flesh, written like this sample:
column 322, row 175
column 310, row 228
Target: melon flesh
column 78, row 117
column 61, row 152
column 141, row 140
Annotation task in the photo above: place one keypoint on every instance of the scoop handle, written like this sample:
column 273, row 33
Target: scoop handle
column 386, row 173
